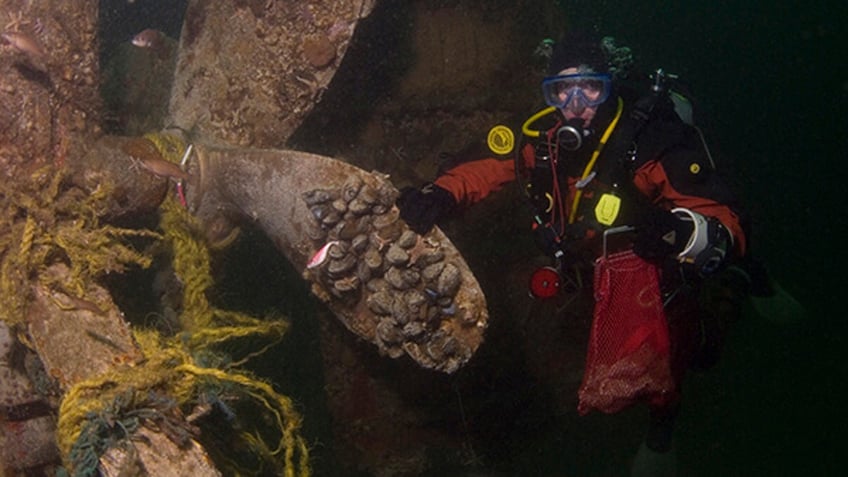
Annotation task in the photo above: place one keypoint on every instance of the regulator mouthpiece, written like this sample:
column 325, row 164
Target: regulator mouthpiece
column 570, row 136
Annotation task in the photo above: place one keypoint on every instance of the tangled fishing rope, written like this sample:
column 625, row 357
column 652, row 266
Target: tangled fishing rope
column 181, row 372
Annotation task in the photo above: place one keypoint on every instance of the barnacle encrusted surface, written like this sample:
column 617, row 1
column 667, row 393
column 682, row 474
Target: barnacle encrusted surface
column 407, row 293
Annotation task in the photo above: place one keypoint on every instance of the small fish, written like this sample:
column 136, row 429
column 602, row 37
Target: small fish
column 148, row 38
column 25, row 44
column 321, row 255
column 163, row 168
column 104, row 340
column 77, row 303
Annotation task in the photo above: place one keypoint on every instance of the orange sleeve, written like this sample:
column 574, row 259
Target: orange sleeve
column 472, row 181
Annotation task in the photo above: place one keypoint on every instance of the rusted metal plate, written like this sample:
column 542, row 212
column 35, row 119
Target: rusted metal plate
column 151, row 453
column 248, row 73
column 78, row 337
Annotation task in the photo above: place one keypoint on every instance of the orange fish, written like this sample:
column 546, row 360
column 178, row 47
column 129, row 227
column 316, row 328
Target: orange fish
column 163, row 168
column 24, row 43
column 148, row 38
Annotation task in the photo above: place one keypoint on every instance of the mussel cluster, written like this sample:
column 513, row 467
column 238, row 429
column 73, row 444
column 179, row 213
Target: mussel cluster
column 399, row 285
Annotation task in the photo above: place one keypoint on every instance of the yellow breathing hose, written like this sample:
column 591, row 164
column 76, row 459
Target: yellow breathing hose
column 525, row 129
column 573, row 214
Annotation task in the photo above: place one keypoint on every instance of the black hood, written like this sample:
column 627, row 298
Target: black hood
column 575, row 49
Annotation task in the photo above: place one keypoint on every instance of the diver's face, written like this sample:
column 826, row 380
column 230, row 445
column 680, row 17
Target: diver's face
column 577, row 108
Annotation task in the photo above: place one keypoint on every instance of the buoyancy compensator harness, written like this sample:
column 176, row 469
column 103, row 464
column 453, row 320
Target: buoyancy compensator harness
column 555, row 153
column 559, row 150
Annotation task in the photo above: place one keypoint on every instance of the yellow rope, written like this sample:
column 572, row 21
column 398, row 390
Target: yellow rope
column 45, row 221
column 171, row 366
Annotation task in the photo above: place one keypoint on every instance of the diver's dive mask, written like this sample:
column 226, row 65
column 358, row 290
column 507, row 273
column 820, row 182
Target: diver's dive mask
column 576, row 90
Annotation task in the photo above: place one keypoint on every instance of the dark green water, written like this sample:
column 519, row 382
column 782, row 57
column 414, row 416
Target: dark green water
column 772, row 83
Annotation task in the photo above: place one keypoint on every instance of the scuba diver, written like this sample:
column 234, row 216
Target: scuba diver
column 608, row 170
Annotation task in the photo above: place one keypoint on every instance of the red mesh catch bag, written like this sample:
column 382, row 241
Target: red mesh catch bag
column 629, row 355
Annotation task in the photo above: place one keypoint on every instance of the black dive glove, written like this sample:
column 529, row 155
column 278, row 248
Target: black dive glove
column 422, row 208
column 700, row 243
column 660, row 234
